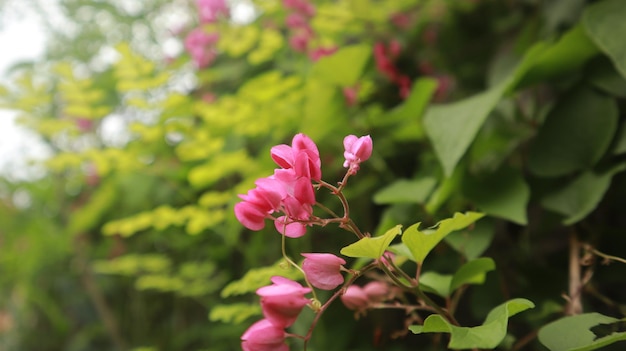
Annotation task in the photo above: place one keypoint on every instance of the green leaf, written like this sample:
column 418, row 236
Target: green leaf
column 234, row 313
column 407, row 117
column 575, row 134
column 452, row 127
column 605, row 25
column 420, row 243
column 473, row 243
column 572, row 50
column 486, row 336
column 406, row 191
column 473, row 272
column 576, row 333
column 372, row 247
column 436, row 283
column 603, row 75
column 503, row 194
column 579, row 197
column 344, row 67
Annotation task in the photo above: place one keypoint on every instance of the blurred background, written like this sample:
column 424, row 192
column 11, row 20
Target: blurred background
column 128, row 128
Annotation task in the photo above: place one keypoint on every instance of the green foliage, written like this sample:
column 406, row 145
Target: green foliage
column 372, row 247
column 473, row 272
column 421, row 242
column 584, row 332
column 128, row 239
column 486, row 336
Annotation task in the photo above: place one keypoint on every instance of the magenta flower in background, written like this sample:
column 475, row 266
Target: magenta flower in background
column 200, row 46
column 376, row 291
column 264, row 336
column 356, row 151
column 282, row 301
column 323, row 270
column 210, row 10
column 355, row 298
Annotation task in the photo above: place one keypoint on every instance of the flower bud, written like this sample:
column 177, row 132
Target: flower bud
column 355, row 298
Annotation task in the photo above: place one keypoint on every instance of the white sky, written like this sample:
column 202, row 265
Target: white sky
column 20, row 39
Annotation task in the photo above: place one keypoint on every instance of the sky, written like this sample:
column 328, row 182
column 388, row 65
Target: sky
column 20, row 39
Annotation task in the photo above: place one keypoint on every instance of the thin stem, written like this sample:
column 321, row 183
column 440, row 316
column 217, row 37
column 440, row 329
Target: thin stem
column 607, row 257
column 284, row 250
column 337, row 293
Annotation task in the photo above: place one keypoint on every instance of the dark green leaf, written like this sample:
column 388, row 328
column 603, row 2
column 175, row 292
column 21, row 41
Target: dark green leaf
column 605, row 25
column 486, row 336
column 576, row 333
column 406, row 191
column 503, row 194
column 575, row 134
column 578, row 198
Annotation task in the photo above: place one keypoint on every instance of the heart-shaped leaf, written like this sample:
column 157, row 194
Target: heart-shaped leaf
column 420, row 243
column 372, row 247
column 486, row 336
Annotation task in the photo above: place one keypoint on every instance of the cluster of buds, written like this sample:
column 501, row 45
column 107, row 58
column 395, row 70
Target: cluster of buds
column 287, row 197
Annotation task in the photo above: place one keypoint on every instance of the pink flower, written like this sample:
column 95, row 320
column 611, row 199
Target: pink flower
column 351, row 95
column 303, row 156
column 322, row 52
column 289, row 228
column 323, row 270
column 301, row 6
column 376, row 291
column 356, row 151
column 355, row 298
column 200, row 44
column 250, row 215
column 210, row 10
column 296, row 20
column 282, row 301
column 299, row 41
column 264, row 336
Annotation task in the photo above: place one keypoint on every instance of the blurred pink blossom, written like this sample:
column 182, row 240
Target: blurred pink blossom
column 210, row 10
column 355, row 298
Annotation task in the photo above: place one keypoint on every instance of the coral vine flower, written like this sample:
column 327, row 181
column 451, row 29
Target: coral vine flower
column 302, row 155
column 264, row 336
column 323, row 270
column 282, row 301
column 355, row 298
column 356, row 151
column 376, row 291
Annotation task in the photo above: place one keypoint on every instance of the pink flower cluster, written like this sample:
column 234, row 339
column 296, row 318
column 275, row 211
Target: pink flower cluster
column 211, row 10
column 201, row 46
column 281, row 303
column 384, row 57
column 298, row 22
column 360, row 298
column 199, row 43
column 289, row 190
